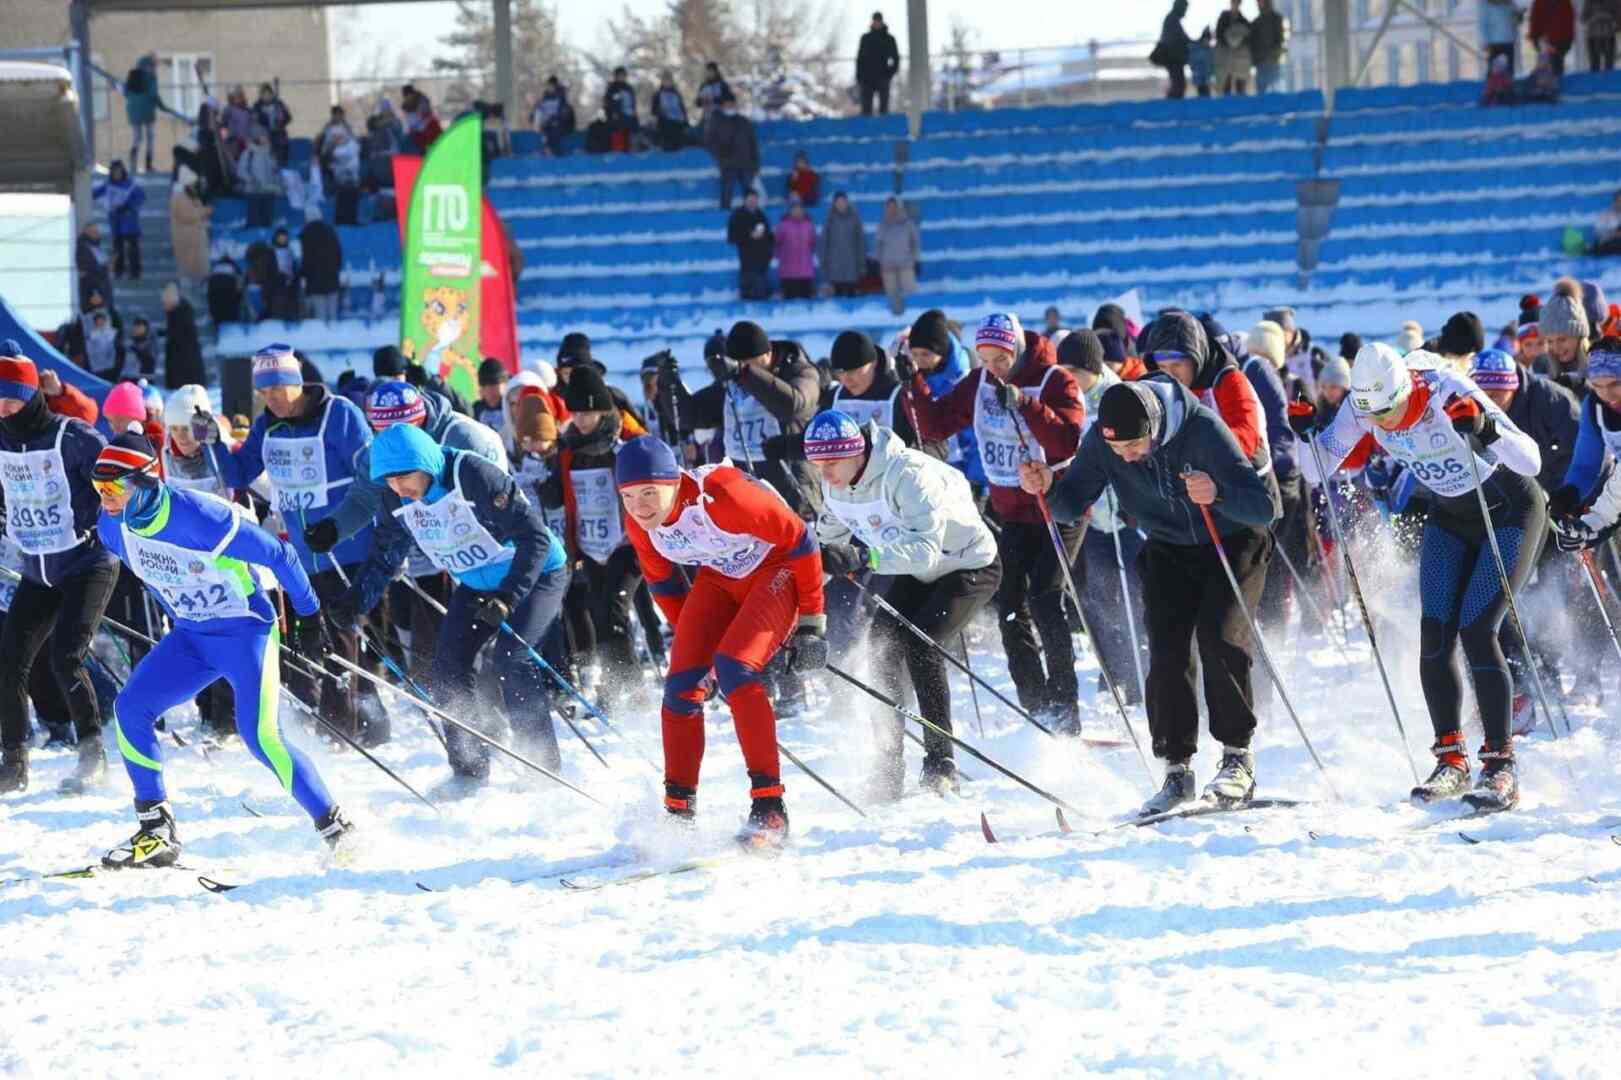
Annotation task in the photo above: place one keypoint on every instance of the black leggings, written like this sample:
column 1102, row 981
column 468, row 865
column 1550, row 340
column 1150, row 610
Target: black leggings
column 1030, row 600
column 1462, row 593
column 66, row 615
column 940, row 608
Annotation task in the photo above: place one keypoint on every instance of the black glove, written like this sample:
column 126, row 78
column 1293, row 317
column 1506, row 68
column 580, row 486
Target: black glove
column 807, row 650
column 843, row 559
column 204, row 428
column 905, row 367
column 775, row 446
column 1574, row 534
column 1010, row 397
column 1564, row 502
column 322, row 537
column 312, row 640
column 1302, row 417
column 1473, row 421
column 492, row 610
column 723, row 367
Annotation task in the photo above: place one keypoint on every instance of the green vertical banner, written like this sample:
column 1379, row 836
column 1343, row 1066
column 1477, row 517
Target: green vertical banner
column 439, row 287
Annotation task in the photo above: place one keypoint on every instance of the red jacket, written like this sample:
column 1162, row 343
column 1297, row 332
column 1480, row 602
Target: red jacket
column 1133, row 369
column 1553, row 21
column 1054, row 420
column 735, row 503
column 73, row 402
column 1234, row 399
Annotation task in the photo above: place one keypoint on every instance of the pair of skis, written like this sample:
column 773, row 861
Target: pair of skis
column 1195, row 808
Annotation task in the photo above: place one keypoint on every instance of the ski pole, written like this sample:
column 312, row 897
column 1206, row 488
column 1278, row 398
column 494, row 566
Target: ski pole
column 1075, row 598
column 1305, row 594
column 808, row 771
column 973, row 689
column 1508, row 592
column 301, row 704
column 929, row 725
column 889, row 609
column 1586, row 558
column 1125, row 596
column 1260, row 646
column 544, row 666
column 1342, row 543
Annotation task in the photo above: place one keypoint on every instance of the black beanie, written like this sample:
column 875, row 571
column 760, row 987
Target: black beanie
column 1125, row 412
column 1081, row 349
column 492, row 372
column 1111, row 317
column 932, row 331
column 1350, row 345
column 387, row 363
column 852, row 349
column 715, row 346
column 576, row 346
column 587, row 392
column 1463, row 334
column 747, row 340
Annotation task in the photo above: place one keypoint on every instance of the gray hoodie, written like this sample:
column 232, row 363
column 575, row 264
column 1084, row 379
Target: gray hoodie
column 916, row 512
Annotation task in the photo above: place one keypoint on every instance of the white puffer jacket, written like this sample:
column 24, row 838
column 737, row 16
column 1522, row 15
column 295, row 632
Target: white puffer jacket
column 917, row 513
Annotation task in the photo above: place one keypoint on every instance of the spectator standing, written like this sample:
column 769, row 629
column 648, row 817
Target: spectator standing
column 142, row 346
column 1553, row 26
column 877, row 61
column 1232, row 49
column 1601, row 20
column 256, row 169
column 842, row 248
column 898, row 248
column 1499, row 23
column 670, row 112
column 95, row 340
column 804, row 181
column 712, row 91
column 122, row 199
column 1202, row 63
column 421, row 123
column 322, row 264
column 90, row 263
column 1269, row 44
column 272, row 114
column 749, row 231
column 1171, row 52
column 554, row 116
column 141, row 105
column 385, row 135
column 1607, row 229
column 619, row 108
column 730, row 139
column 237, row 119
column 188, row 226
column 796, row 252
column 343, row 164
column 182, row 351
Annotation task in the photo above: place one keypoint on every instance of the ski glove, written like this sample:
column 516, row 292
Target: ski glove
column 1575, row 534
column 1009, row 397
column 1378, row 474
column 312, row 640
column 1468, row 418
column 204, row 428
column 1564, row 502
column 807, row 650
column 722, row 367
column 492, row 610
column 321, row 537
column 1302, row 418
column 839, row 559
column 905, row 368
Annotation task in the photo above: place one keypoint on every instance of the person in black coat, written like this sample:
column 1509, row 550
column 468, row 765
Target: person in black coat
column 750, row 232
column 877, row 61
column 182, row 351
column 322, row 265
column 1171, row 53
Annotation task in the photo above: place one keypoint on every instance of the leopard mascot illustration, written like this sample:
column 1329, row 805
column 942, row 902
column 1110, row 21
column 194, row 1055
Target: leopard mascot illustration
column 444, row 317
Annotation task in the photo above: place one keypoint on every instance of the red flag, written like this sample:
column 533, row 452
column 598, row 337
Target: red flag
column 498, row 311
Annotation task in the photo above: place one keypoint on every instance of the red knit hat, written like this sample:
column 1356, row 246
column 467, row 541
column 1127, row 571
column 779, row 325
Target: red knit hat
column 18, row 378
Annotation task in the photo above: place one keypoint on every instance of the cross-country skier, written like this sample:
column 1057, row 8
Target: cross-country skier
column 68, row 577
column 1166, row 455
column 472, row 521
column 758, row 589
column 910, row 518
column 205, row 561
column 1433, row 421
column 1020, row 394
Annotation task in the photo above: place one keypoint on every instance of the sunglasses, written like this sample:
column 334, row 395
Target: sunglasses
column 111, row 488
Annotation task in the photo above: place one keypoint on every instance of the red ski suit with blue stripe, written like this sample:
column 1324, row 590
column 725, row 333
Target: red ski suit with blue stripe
column 760, row 573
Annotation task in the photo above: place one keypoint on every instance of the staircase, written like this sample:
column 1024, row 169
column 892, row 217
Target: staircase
column 158, row 268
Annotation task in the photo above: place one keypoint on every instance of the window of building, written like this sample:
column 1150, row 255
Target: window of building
column 182, row 76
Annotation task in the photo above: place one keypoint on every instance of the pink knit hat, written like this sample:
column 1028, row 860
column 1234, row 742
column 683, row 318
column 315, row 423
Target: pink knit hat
column 125, row 400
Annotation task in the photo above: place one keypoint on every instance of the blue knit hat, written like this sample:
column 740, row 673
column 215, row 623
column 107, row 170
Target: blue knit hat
column 833, row 435
column 646, row 460
column 393, row 403
column 1494, row 369
column 1001, row 329
column 275, row 365
column 1604, row 363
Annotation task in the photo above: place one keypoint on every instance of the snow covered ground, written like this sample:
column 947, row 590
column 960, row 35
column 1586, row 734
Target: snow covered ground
column 1330, row 940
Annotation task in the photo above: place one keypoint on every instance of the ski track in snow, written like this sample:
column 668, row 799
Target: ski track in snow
column 902, row 944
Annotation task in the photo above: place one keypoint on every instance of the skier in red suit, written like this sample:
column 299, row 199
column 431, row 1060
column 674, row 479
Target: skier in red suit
column 758, row 589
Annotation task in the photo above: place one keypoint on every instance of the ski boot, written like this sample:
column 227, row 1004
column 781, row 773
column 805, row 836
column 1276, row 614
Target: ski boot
column 1499, row 785
column 1178, row 789
column 90, row 772
column 766, row 831
column 59, row 736
column 1524, row 719
column 155, row 844
column 1064, row 720
column 680, row 802
column 339, row 834
column 940, row 776
column 1451, row 776
column 13, row 769
column 1234, row 782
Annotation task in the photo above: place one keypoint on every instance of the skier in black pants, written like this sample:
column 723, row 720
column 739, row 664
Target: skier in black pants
column 1165, row 455
column 910, row 518
column 67, row 576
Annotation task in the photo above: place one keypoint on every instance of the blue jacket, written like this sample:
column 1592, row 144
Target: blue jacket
column 81, row 443
column 215, row 530
column 124, row 201
column 346, row 434
column 499, row 504
column 448, row 428
column 965, row 444
column 1280, row 437
column 1600, row 433
column 1188, row 435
